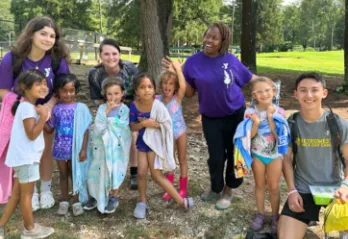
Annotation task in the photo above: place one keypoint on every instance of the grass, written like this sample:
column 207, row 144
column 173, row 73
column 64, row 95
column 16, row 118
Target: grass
column 329, row 62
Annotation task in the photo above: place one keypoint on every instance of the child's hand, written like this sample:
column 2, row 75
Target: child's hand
column 167, row 65
column 177, row 65
column 254, row 117
column 109, row 106
column 149, row 123
column 82, row 156
column 270, row 111
column 43, row 111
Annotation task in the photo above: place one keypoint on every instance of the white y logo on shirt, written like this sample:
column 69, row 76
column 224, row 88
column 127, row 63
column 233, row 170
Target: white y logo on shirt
column 47, row 71
column 228, row 75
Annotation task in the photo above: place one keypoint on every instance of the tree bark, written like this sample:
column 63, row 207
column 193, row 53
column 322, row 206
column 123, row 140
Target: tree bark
column 346, row 44
column 248, row 39
column 155, row 17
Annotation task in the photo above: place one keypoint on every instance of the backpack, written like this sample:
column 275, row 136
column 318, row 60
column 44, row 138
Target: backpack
column 251, row 234
column 334, row 124
column 55, row 64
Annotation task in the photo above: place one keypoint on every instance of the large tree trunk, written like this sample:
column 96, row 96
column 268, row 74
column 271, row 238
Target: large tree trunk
column 248, row 39
column 155, row 17
column 346, row 45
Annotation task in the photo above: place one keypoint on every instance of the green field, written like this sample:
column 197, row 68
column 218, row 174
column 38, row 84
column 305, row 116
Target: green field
column 329, row 62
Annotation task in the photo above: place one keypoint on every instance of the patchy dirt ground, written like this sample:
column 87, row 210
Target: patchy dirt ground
column 165, row 219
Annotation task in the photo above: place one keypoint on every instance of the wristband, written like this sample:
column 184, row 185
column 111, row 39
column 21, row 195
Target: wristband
column 292, row 191
column 344, row 182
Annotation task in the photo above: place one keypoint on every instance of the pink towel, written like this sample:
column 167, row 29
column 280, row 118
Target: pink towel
column 6, row 121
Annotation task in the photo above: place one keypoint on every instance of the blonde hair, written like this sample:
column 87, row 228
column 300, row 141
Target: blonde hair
column 263, row 79
column 165, row 76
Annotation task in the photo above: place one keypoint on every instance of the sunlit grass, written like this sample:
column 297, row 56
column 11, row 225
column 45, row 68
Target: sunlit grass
column 329, row 62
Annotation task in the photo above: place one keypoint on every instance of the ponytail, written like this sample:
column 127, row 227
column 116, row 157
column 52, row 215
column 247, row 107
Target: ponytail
column 16, row 104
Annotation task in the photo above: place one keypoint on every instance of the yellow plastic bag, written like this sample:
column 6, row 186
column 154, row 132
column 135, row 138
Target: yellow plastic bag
column 336, row 216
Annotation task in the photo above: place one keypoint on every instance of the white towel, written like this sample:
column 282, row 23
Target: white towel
column 161, row 140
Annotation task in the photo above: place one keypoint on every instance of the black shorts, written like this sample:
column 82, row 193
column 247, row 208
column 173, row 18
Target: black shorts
column 311, row 212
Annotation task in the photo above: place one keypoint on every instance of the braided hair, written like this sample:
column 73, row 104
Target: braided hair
column 225, row 36
column 25, row 81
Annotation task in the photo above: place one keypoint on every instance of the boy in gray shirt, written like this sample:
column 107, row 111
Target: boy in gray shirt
column 316, row 162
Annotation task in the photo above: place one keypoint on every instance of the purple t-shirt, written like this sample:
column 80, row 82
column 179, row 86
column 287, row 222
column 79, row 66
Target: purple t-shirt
column 218, row 82
column 44, row 65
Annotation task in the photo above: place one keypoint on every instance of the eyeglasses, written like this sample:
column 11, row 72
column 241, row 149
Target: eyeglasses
column 261, row 92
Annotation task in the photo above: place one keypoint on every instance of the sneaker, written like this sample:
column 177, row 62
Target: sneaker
column 140, row 210
column 209, row 195
column 112, row 205
column 2, row 233
column 46, row 200
column 63, row 208
column 258, row 222
column 90, row 204
column 224, row 202
column 37, row 232
column 188, row 203
column 77, row 209
column 274, row 224
column 35, row 203
column 133, row 182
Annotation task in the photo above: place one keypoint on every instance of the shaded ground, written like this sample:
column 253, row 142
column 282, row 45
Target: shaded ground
column 165, row 219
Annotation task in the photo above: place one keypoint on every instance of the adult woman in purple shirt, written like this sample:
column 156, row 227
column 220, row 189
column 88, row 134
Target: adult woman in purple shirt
column 38, row 47
column 217, row 76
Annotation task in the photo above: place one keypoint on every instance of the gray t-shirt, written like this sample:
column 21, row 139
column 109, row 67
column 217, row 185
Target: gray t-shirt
column 316, row 163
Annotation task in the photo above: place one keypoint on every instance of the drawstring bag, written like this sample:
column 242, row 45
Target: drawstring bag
column 336, row 216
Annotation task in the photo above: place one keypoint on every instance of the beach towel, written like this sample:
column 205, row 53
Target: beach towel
column 161, row 141
column 82, row 121
column 111, row 142
column 6, row 121
column 242, row 143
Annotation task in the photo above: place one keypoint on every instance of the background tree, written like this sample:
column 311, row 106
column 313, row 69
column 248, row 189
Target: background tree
column 269, row 18
column 67, row 13
column 291, row 24
column 6, row 26
column 123, row 22
column 231, row 14
column 249, row 35
column 191, row 19
column 154, row 15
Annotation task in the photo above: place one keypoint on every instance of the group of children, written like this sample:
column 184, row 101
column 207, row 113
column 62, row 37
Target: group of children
column 96, row 156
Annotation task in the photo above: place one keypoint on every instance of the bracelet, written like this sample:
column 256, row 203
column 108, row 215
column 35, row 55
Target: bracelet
column 292, row 191
column 344, row 182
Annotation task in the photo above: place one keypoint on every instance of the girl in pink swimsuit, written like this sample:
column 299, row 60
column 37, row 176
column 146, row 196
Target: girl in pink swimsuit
column 173, row 87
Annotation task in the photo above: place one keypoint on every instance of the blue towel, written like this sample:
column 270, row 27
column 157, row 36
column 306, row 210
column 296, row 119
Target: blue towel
column 242, row 141
column 82, row 121
column 283, row 132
